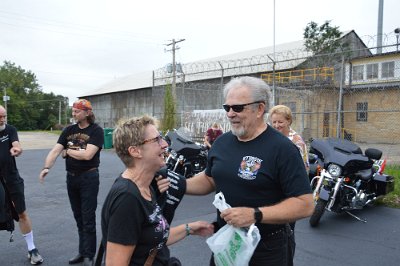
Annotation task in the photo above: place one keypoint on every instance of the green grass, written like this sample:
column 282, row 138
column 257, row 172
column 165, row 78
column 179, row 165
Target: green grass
column 56, row 132
column 393, row 198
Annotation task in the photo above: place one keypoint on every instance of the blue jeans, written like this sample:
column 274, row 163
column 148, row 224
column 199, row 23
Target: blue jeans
column 82, row 192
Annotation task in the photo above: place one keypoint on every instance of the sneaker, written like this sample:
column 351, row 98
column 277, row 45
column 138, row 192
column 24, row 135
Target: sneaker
column 35, row 257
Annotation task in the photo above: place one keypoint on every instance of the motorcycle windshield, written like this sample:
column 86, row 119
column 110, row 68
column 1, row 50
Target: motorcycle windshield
column 184, row 135
column 181, row 142
column 341, row 152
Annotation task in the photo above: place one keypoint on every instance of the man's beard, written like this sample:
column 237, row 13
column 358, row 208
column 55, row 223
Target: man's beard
column 2, row 127
column 240, row 132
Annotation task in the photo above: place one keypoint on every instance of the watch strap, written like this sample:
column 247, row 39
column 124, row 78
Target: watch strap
column 258, row 216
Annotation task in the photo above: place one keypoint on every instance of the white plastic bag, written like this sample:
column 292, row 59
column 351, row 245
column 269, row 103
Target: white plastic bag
column 232, row 246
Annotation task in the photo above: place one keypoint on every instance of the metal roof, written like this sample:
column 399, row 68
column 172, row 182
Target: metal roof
column 241, row 63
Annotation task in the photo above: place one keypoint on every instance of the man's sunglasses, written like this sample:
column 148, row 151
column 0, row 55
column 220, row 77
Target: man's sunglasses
column 237, row 108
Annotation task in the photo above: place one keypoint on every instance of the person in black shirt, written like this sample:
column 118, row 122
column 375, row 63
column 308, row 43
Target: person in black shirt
column 260, row 172
column 80, row 144
column 133, row 225
column 9, row 149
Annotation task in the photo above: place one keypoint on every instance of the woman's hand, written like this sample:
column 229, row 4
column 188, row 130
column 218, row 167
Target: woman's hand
column 201, row 228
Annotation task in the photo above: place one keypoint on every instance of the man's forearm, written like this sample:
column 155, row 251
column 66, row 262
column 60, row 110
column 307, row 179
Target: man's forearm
column 52, row 157
column 200, row 184
column 289, row 210
column 86, row 154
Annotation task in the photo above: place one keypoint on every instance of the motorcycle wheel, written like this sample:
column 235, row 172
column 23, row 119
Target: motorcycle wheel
column 318, row 212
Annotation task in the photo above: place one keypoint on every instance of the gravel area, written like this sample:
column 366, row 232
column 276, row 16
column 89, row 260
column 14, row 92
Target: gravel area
column 37, row 140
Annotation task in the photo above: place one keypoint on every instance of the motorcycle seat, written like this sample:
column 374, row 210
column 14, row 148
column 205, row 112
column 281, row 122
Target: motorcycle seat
column 364, row 175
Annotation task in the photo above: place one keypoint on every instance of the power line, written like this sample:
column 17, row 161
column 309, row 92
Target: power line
column 83, row 30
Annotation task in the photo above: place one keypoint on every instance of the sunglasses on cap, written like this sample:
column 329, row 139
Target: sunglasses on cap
column 237, row 108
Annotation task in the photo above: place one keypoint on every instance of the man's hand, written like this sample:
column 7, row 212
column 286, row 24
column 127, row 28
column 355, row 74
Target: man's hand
column 239, row 216
column 42, row 174
column 64, row 154
column 162, row 183
column 15, row 151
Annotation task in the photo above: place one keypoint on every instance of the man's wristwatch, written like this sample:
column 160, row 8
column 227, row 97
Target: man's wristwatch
column 258, row 216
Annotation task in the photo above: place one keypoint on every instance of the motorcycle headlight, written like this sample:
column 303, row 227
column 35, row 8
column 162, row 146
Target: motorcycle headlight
column 334, row 170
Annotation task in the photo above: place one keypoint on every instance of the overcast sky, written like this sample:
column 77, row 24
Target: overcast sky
column 75, row 46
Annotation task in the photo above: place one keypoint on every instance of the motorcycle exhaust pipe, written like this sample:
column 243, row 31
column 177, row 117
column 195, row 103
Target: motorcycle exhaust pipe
column 370, row 200
column 352, row 188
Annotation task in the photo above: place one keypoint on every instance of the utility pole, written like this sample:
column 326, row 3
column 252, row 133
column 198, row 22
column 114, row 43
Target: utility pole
column 59, row 112
column 380, row 23
column 273, row 80
column 5, row 98
column 173, row 49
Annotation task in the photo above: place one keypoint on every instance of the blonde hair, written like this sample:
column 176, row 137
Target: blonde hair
column 130, row 132
column 281, row 110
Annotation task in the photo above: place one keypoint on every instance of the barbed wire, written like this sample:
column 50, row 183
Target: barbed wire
column 206, row 69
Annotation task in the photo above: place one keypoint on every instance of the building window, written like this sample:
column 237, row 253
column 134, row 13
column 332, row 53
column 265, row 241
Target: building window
column 358, row 72
column 362, row 111
column 372, row 71
column 388, row 69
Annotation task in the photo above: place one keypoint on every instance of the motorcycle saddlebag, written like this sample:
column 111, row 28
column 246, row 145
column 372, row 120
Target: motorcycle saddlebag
column 384, row 184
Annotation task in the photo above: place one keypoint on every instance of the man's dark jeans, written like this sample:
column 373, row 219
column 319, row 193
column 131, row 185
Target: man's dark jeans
column 277, row 250
column 82, row 192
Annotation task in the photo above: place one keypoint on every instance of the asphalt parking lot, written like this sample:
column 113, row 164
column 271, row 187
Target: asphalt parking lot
column 339, row 240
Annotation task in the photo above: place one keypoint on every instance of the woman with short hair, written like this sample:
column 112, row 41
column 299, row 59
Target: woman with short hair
column 132, row 223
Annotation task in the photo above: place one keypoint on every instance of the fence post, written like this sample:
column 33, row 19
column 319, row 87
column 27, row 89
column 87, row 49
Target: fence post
column 339, row 116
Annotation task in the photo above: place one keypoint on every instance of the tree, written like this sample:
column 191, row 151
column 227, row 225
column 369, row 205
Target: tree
column 322, row 39
column 28, row 108
column 169, row 119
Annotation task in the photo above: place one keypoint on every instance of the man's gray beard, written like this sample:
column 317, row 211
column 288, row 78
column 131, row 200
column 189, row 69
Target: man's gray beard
column 238, row 132
column 2, row 127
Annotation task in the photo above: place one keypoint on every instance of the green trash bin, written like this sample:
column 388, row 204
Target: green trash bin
column 108, row 134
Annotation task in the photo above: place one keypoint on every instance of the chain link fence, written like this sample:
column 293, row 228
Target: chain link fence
column 353, row 94
column 330, row 95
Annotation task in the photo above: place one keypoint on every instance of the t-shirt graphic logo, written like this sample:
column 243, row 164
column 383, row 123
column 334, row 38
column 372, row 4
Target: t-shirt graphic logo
column 4, row 138
column 249, row 167
column 78, row 141
column 161, row 224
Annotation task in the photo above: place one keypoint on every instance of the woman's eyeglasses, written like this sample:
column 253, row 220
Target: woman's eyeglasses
column 237, row 108
column 158, row 139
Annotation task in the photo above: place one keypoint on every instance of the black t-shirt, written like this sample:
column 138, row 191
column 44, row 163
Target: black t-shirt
column 256, row 173
column 73, row 137
column 129, row 219
column 8, row 166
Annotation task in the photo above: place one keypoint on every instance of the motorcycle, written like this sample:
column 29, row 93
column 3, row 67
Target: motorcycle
column 345, row 179
column 184, row 156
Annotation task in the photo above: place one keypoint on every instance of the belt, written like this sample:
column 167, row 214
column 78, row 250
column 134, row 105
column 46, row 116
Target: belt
column 79, row 173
